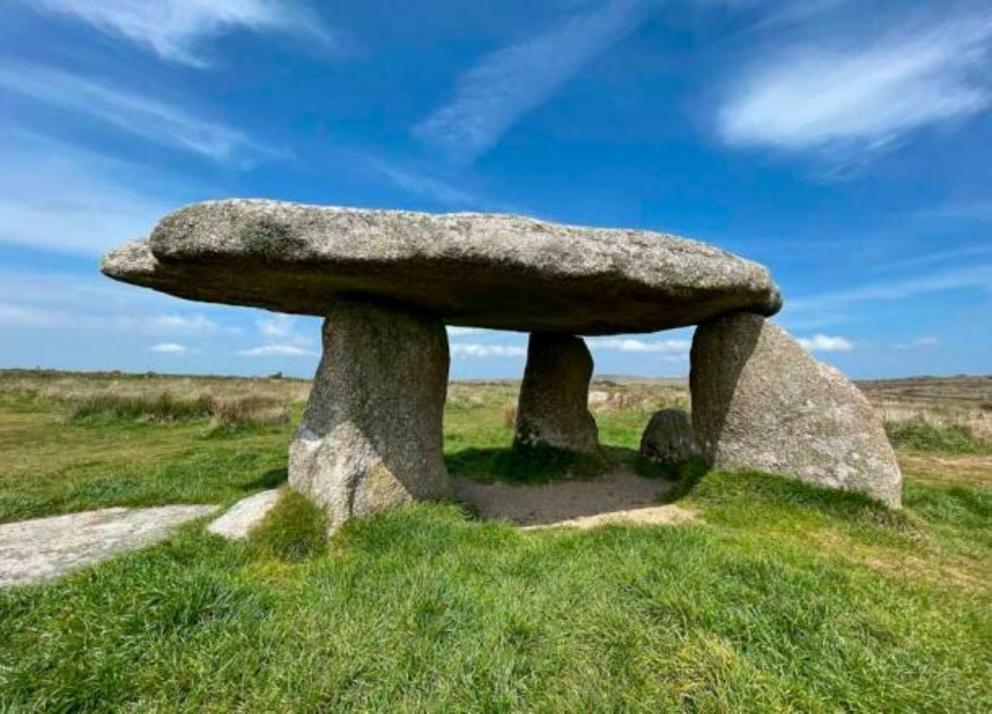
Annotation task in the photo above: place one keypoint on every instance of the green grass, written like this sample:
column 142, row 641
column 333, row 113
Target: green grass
column 160, row 407
column 779, row 597
column 294, row 529
column 919, row 435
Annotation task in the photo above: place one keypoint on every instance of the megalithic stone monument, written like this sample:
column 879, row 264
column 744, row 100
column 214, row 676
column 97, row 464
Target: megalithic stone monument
column 387, row 282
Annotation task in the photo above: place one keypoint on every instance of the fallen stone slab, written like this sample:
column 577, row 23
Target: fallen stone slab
column 760, row 401
column 670, row 514
column 238, row 521
column 475, row 269
column 45, row 548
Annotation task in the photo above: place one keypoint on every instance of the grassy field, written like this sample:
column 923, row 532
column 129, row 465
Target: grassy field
column 778, row 597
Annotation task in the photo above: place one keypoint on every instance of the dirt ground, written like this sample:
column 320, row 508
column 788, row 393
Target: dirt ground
column 619, row 496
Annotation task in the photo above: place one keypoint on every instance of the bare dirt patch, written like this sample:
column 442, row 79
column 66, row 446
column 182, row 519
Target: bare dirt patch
column 620, row 496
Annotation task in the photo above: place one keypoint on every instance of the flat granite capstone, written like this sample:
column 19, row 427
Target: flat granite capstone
column 474, row 269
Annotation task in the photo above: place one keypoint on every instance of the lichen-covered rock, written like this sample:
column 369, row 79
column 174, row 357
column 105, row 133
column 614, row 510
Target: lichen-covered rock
column 668, row 438
column 486, row 270
column 554, row 395
column 371, row 434
column 244, row 516
column 45, row 548
column 760, row 401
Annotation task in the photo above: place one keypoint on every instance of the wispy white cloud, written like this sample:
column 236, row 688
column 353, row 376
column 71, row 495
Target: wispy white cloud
column 935, row 257
column 627, row 344
column 277, row 350
column 169, row 348
column 964, row 278
column 420, row 184
column 55, row 318
column 918, row 343
column 137, row 114
column 176, row 29
column 193, row 324
column 277, row 327
column 58, row 197
column 490, row 97
column 473, row 349
column 281, row 339
column 826, row 343
column 832, row 96
column 976, row 211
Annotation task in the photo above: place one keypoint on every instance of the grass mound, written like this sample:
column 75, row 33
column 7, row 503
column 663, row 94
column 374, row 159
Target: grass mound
column 293, row 530
column 725, row 493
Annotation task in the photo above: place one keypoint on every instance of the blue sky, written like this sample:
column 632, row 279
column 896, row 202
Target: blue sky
column 847, row 145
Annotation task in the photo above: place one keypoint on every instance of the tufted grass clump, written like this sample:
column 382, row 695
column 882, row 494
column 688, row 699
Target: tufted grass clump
column 921, row 435
column 248, row 411
column 293, row 530
column 223, row 413
column 150, row 407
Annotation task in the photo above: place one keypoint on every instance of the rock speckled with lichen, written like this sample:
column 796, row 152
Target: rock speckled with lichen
column 554, row 395
column 485, row 270
column 669, row 438
column 371, row 434
column 761, row 401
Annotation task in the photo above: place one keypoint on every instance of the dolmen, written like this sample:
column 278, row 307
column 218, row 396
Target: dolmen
column 387, row 282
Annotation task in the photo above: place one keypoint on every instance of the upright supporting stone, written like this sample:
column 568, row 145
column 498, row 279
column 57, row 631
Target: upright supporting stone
column 371, row 434
column 668, row 438
column 760, row 401
column 553, row 409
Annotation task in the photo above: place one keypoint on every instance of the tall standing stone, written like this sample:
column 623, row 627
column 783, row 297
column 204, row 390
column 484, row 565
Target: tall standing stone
column 553, row 409
column 371, row 435
column 761, row 401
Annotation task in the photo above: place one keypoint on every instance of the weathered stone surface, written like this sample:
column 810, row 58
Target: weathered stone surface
column 44, row 548
column 239, row 520
column 554, row 396
column 760, row 401
column 669, row 438
column 371, row 435
column 486, row 270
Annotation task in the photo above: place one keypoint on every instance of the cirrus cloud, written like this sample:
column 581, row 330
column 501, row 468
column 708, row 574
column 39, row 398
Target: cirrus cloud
column 175, row 29
column 832, row 96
